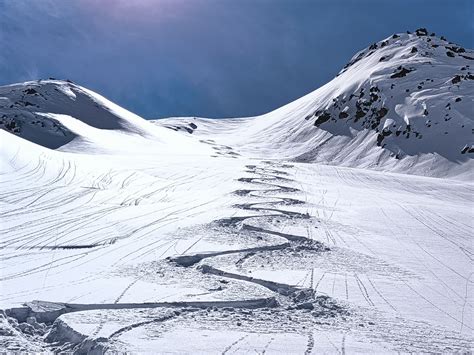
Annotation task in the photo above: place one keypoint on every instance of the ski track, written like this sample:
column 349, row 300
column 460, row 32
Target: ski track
column 91, row 225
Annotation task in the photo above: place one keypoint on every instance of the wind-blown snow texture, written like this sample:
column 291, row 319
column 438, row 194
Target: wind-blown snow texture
column 339, row 223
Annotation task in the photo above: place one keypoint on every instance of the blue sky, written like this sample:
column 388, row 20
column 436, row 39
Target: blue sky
column 208, row 58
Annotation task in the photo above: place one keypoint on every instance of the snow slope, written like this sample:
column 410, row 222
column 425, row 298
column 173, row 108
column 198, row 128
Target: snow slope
column 229, row 236
column 404, row 104
column 61, row 114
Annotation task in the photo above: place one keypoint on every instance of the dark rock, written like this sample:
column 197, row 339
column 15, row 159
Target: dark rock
column 359, row 114
column 386, row 132
column 193, row 126
column 421, row 32
column 30, row 91
column 382, row 112
column 414, row 50
column 380, row 138
column 456, row 49
column 395, row 36
column 456, row 79
column 458, row 99
column 13, row 126
column 401, row 72
column 374, row 97
column 324, row 117
column 343, row 115
column 450, row 54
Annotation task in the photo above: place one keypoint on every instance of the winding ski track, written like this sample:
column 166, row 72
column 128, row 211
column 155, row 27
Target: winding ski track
column 271, row 195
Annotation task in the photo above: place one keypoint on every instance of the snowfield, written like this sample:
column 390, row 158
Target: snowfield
column 339, row 223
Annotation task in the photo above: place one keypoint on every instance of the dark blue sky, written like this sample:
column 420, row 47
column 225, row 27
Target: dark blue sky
column 210, row 58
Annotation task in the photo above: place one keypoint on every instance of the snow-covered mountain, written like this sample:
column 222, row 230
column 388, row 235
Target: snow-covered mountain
column 60, row 114
column 403, row 104
column 269, row 234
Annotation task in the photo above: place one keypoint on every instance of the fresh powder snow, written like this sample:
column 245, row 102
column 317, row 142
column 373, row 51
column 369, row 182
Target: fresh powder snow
column 339, row 223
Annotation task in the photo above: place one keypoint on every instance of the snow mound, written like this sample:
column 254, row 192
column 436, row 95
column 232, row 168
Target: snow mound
column 60, row 114
column 32, row 110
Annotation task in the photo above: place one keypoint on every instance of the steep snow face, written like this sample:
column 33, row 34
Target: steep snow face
column 413, row 91
column 403, row 104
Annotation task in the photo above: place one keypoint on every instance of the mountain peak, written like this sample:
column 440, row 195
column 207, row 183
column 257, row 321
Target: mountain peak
column 409, row 94
column 403, row 104
column 411, row 47
column 42, row 112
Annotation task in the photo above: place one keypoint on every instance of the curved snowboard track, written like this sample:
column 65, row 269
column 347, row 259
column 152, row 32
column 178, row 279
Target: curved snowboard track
column 270, row 201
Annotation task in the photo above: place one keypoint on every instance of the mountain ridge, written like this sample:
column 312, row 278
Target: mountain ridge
column 410, row 95
column 402, row 104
